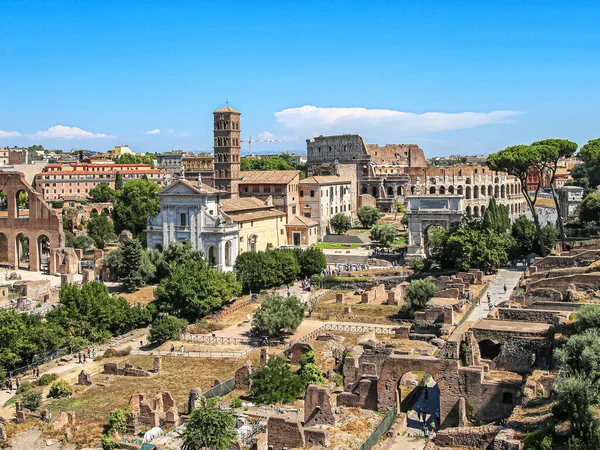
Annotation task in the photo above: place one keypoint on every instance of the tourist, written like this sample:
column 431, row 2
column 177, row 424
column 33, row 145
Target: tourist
column 437, row 416
column 419, row 412
column 84, row 358
column 17, row 383
column 93, row 353
column 79, row 357
column 432, row 425
column 182, row 350
column 10, row 385
column 426, row 433
column 89, row 351
column 424, row 412
column 489, row 297
column 172, row 348
column 505, row 288
column 6, row 384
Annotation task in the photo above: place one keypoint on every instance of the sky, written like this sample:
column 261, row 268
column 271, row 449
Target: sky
column 460, row 77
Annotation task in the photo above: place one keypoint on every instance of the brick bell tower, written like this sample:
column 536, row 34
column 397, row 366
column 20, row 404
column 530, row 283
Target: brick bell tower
column 227, row 150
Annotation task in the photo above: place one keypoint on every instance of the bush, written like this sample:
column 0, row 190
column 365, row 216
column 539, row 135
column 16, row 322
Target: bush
column 166, row 328
column 24, row 386
column 32, row 400
column 60, row 389
column 236, row 402
column 588, row 317
column 117, row 353
column 539, row 439
column 118, row 420
column 418, row 293
column 368, row 216
column 46, row 379
column 340, row 223
column 384, row 233
column 108, row 443
column 276, row 383
column 277, row 313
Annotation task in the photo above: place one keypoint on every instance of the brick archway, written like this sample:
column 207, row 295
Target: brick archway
column 396, row 366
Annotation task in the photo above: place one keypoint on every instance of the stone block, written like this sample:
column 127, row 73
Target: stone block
column 316, row 437
column 111, row 368
column 402, row 331
column 88, row 275
column 84, row 379
column 136, row 400
column 339, row 297
column 259, row 442
column 157, row 364
column 242, row 377
column 296, row 352
column 172, row 417
column 194, row 398
column 318, row 406
column 66, row 278
column 264, row 356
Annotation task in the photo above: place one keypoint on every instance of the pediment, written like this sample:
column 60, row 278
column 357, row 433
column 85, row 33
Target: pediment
column 179, row 188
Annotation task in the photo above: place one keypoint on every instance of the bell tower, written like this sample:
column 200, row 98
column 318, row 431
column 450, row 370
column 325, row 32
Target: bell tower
column 227, row 150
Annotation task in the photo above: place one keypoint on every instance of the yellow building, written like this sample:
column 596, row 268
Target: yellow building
column 118, row 151
column 260, row 225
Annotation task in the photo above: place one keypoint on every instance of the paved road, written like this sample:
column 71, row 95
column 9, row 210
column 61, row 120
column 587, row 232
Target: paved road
column 510, row 277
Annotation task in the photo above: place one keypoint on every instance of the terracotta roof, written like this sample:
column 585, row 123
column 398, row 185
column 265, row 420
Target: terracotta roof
column 268, row 176
column 303, row 222
column 330, row 179
column 242, row 204
column 227, row 109
column 255, row 215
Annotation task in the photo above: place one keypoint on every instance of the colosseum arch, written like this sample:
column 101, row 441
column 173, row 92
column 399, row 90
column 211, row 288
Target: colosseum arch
column 482, row 210
column 451, row 190
column 468, row 211
column 476, row 211
column 442, row 190
column 432, row 190
column 503, row 191
column 475, row 191
column 496, row 191
column 459, row 190
column 468, row 192
column 490, row 190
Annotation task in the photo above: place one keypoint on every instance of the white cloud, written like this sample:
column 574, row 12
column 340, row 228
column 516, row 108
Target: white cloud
column 266, row 135
column 316, row 120
column 65, row 132
column 155, row 131
column 9, row 133
column 170, row 131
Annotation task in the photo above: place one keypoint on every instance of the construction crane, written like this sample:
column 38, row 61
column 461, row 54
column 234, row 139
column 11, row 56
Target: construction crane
column 250, row 141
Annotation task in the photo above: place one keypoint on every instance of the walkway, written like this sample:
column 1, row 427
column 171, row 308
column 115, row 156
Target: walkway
column 511, row 278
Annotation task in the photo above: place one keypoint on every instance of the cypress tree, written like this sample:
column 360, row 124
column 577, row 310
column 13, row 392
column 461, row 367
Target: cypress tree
column 132, row 278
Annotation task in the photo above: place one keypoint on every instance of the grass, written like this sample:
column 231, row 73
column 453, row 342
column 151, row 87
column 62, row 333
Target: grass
column 336, row 246
column 178, row 375
column 142, row 296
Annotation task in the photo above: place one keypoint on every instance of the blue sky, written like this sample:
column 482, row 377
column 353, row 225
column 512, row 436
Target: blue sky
column 91, row 74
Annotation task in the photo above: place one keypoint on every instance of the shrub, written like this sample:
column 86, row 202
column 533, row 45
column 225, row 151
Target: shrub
column 60, row 389
column 24, row 386
column 204, row 327
column 418, row 293
column 276, row 383
column 46, row 379
column 340, row 223
column 540, row 439
column 116, row 353
column 32, row 400
column 368, row 216
column 118, row 419
column 166, row 328
column 236, row 402
column 278, row 313
column 108, row 443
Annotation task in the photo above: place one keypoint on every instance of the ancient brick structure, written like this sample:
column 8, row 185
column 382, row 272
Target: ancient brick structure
column 296, row 352
column 194, row 398
column 128, row 370
column 157, row 364
column 264, row 356
column 284, row 432
column 316, row 437
column 471, row 437
column 553, row 317
column 88, row 275
column 318, row 406
column 36, row 221
column 38, row 290
column 242, row 376
column 84, row 379
column 373, row 292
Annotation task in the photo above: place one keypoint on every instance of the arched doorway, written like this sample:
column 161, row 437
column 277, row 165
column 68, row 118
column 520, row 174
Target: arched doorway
column 468, row 211
column 364, row 190
column 3, row 204
column 442, row 190
column 374, row 191
column 476, row 211
column 459, row 190
column 476, row 191
column 252, row 243
column 390, row 191
column 432, row 190
column 433, row 239
column 22, row 202
column 468, row 193
column 22, row 251
column 451, row 190
column 212, row 255
column 419, row 397
column 489, row 349
column 43, row 253
column 400, row 190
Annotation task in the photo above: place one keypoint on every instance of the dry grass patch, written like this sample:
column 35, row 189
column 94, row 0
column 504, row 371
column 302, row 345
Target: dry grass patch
column 178, row 376
column 142, row 296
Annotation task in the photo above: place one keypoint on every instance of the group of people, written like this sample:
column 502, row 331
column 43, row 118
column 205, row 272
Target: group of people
column 305, row 285
column 84, row 356
column 10, row 385
column 435, row 421
column 181, row 350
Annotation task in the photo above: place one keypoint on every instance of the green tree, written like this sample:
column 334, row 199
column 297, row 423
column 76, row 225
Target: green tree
column 525, row 237
column 590, row 153
column 131, row 275
column 100, row 229
column 418, row 293
column 166, row 328
column 368, row 216
column 83, row 242
column 471, row 247
column 135, row 202
column 32, row 400
column 311, row 260
column 209, row 427
column 519, row 161
column 118, row 419
column 118, row 182
column 102, row 193
column 564, row 149
column 384, row 233
column 135, row 158
column 589, row 209
column 587, row 177
column 309, row 370
column 340, row 223
column 276, row 383
column 496, row 217
column 398, row 208
column 278, row 313
column 588, row 317
column 261, row 270
column 577, row 385
column 194, row 290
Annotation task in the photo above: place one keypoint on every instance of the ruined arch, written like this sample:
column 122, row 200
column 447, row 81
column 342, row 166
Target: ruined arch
column 374, row 191
column 442, row 190
column 468, row 211
column 483, row 190
column 364, row 190
column 503, row 191
column 482, row 210
column 476, row 211
column 3, row 203
column 490, row 190
column 22, row 247
column 390, row 191
column 432, row 190
column 3, row 250
column 43, row 249
column 22, row 204
column 475, row 191
column 496, row 191
column 451, row 190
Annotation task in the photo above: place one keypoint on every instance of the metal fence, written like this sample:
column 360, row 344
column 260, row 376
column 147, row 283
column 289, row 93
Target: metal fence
column 383, row 427
column 358, row 328
column 193, row 354
column 214, row 340
column 221, row 389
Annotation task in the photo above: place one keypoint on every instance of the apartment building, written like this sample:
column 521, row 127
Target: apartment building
column 280, row 185
column 76, row 180
column 322, row 197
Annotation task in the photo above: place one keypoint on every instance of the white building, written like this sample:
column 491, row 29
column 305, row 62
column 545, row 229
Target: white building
column 192, row 212
column 322, row 197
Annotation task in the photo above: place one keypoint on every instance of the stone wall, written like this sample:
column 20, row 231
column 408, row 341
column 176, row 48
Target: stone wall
column 373, row 293
column 284, row 432
column 318, row 406
column 585, row 281
column 530, row 315
column 572, row 259
column 471, row 437
column 38, row 290
column 128, row 370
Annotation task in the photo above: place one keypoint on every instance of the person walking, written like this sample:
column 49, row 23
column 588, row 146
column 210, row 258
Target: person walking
column 432, row 426
column 505, row 288
column 437, row 417
column 424, row 415
column 419, row 412
column 182, row 350
column 17, row 384
column 172, row 348
column 79, row 357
